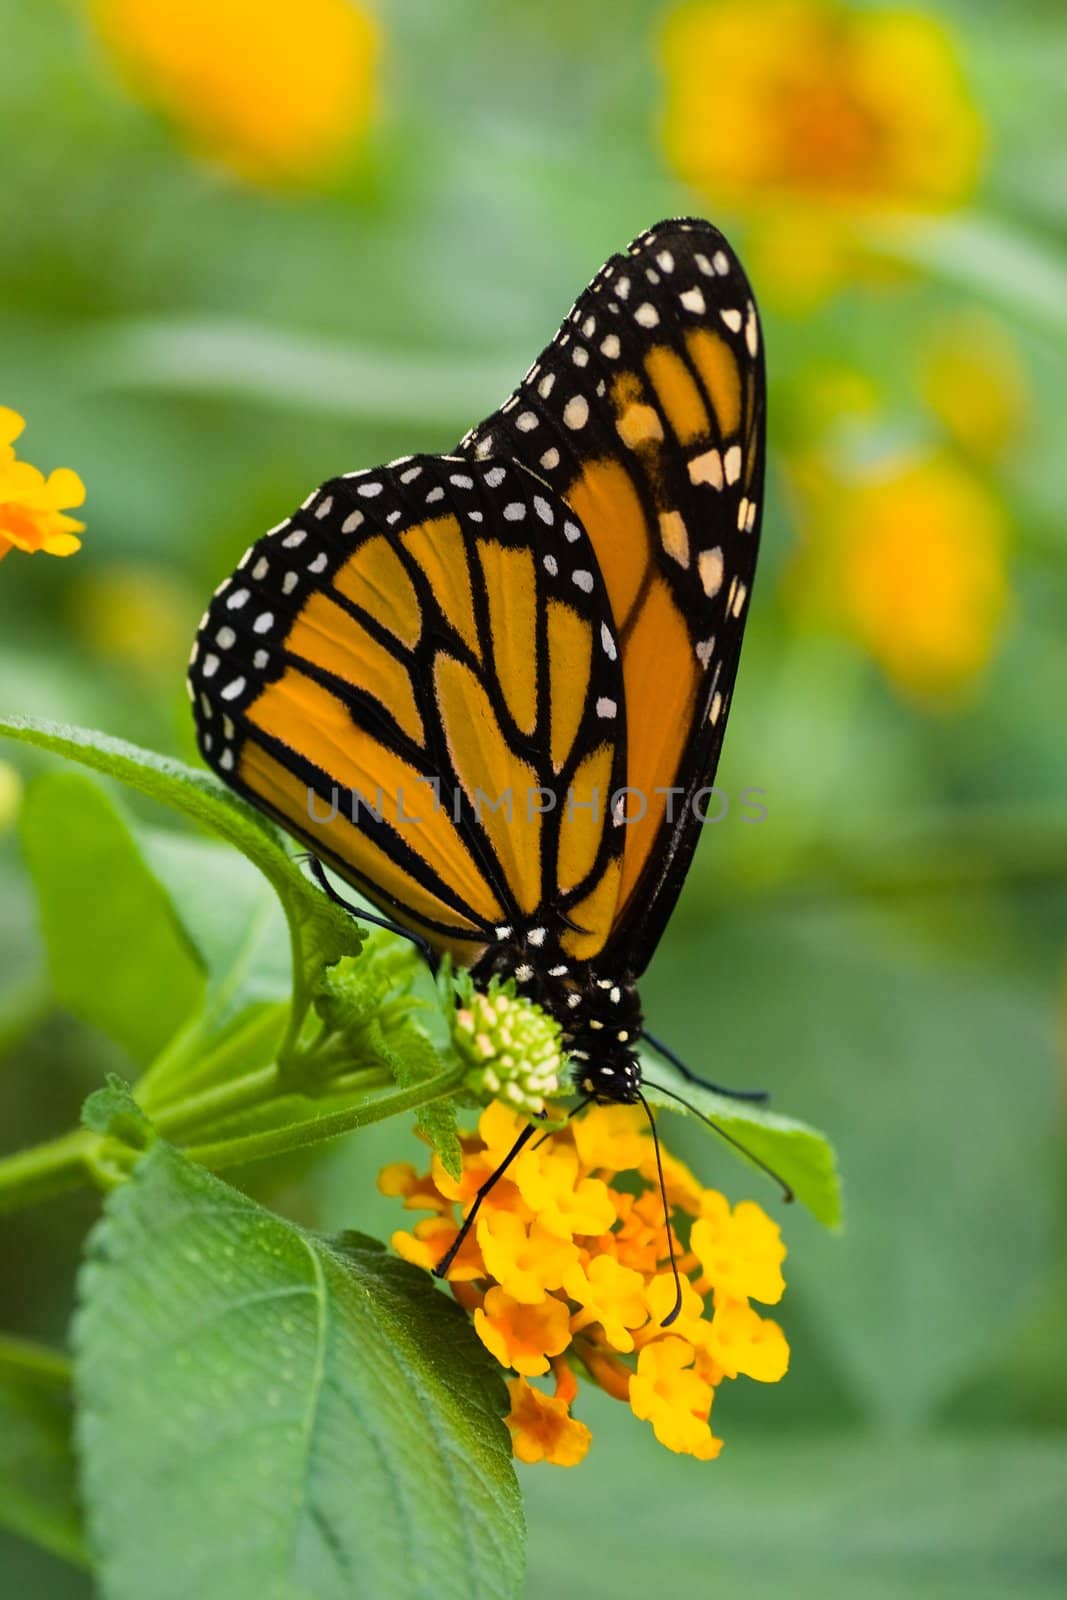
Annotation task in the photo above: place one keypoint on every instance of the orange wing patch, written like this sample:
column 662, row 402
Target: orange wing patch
column 315, row 724
column 351, row 851
column 593, row 916
column 570, row 650
column 717, row 366
column 512, row 592
column 374, row 578
column 610, row 509
column 585, row 809
column 678, row 394
column 439, row 549
column 490, row 772
column 661, row 677
column 330, row 638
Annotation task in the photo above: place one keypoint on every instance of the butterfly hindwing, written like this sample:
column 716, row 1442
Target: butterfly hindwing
column 646, row 416
column 418, row 675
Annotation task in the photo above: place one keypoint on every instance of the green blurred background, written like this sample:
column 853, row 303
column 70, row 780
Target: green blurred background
column 246, row 248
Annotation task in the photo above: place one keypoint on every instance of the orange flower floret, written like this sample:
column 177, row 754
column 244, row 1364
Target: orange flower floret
column 399, row 1178
column 428, row 1243
column 563, row 1270
column 542, row 1428
column 523, row 1337
column 32, row 507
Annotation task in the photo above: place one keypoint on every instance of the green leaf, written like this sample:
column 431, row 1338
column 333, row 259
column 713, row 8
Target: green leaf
column 118, row 958
column 231, row 917
column 38, row 1489
column 265, row 1413
column 801, row 1156
column 321, row 931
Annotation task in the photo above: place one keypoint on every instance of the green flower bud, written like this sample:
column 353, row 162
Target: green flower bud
column 512, row 1046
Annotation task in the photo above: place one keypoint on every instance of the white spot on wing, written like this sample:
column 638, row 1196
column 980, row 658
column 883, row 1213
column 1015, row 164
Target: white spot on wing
column 710, row 566
column 576, row 411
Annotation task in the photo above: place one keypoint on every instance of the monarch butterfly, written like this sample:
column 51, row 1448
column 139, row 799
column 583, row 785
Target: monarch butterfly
column 553, row 613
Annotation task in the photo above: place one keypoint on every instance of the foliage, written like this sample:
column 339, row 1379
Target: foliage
column 884, row 951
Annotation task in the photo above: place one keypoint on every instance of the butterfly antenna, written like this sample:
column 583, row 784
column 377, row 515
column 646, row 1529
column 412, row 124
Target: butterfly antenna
column 756, row 1096
column 318, row 872
column 787, row 1192
column 468, row 1222
column 676, row 1308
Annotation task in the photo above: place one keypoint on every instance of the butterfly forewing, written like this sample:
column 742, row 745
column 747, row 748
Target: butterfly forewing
column 646, row 416
column 418, row 675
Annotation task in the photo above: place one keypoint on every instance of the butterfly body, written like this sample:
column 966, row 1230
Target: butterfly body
column 489, row 688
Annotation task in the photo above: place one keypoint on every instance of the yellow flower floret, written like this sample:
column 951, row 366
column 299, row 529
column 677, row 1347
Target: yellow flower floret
column 741, row 1250
column 741, row 1341
column 565, row 1269
column 666, row 1392
column 32, row 507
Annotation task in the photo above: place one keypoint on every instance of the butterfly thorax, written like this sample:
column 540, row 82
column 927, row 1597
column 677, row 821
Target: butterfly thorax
column 600, row 1017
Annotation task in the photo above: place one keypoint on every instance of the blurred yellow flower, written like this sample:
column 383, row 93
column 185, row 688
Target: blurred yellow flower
column 33, row 507
column 909, row 558
column 134, row 614
column 277, row 91
column 803, row 113
column 974, row 382
column 596, row 1284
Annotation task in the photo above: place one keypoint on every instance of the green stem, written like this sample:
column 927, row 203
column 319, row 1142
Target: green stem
column 75, row 1159
column 46, row 1169
column 222, row 1100
column 277, row 1141
column 37, row 1362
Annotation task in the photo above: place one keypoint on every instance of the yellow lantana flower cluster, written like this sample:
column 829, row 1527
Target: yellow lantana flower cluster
column 567, row 1269
column 32, row 507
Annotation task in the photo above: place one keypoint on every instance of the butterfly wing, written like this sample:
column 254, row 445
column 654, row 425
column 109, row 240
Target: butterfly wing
column 417, row 675
column 646, row 416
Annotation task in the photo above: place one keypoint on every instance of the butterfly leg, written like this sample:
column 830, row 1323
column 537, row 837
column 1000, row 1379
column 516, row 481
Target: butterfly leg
column 468, row 1222
column 756, row 1096
column 318, row 872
